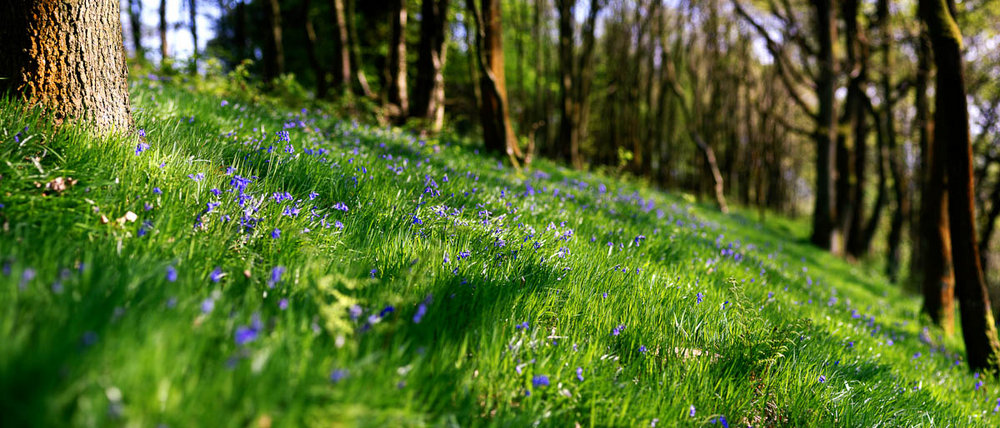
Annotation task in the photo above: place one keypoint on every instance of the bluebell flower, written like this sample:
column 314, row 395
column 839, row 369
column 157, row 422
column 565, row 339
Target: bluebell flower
column 338, row 375
column 340, row 206
column 276, row 273
column 521, row 326
column 283, row 304
column 373, row 272
column 642, row 348
column 196, row 177
column 313, row 195
column 141, row 147
column 355, row 312
column 822, row 379
column 338, row 225
column 245, row 335
column 171, row 274
column 691, row 411
column 386, row 311
column 618, row 330
column 700, row 297
column 216, row 274
column 421, row 311
column 540, row 381
column 276, row 233
column 579, row 374
column 207, row 305
column 157, row 191
column 416, row 220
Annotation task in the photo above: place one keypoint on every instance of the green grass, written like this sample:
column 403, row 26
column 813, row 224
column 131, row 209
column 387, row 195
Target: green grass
column 95, row 334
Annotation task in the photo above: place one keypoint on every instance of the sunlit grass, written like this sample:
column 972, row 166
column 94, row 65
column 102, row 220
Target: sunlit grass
column 360, row 276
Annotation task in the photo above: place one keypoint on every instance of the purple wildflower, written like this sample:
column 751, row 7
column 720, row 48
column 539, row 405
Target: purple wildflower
column 171, row 274
column 579, row 374
column 217, row 274
column 540, row 381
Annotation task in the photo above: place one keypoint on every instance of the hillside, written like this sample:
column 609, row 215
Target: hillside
column 254, row 267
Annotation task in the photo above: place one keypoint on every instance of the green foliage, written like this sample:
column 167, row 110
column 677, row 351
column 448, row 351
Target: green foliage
column 96, row 332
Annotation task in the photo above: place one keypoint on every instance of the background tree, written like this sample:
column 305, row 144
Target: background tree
column 951, row 130
column 428, row 94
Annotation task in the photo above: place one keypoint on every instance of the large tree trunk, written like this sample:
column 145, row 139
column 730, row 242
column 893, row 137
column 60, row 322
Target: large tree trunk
column 342, row 72
column 825, row 234
column 428, row 95
column 397, row 93
column 135, row 22
column 951, row 132
column 498, row 134
column 311, row 53
column 164, row 52
column 274, row 51
column 69, row 58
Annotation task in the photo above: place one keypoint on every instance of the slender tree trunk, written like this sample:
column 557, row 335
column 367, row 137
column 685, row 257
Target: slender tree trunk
column 69, row 58
column 568, row 137
column 498, row 134
column 274, row 51
column 193, row 11
column 901, row 184
column 164, row 51
column 825, row 233
column 354, row 51
column 951, row 132
column 397, row 95
column 428, row 96
column 314, row 63
column 922, row 124
column 342, row 57
column 241, row 32
column 135, row 22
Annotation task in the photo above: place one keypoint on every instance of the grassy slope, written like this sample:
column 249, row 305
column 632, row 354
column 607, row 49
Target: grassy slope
column 100, row 336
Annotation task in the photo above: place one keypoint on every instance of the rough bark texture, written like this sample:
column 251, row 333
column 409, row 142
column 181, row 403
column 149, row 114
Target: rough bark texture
column 498, row 135
column 69, row 58
column 397, row 95
column 951, row 133
column 428, row 95
column 824, row 233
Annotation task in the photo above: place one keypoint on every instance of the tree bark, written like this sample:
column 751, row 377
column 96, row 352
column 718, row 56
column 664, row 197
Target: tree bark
column 274, row 51
column 164, row 52
column 314, row 63
column 825, row 233
column 498, row 134
column 68, row 58
column 342, row 76
column 135, row 22
column 576, row 76
column 354, row 51
column 397, row 95
column 900, row 180
column 951, row 132
column 193, row 11
column 428, row 95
